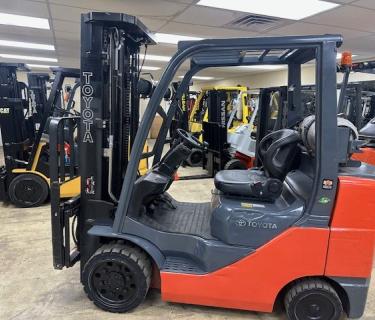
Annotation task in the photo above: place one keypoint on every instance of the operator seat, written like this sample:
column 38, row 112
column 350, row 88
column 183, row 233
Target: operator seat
column 368, row 131
column 277, row 152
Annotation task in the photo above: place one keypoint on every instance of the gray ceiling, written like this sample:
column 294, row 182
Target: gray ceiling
column 355, row 20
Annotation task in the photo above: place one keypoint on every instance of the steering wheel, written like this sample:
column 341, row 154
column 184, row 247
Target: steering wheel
column 189, row 139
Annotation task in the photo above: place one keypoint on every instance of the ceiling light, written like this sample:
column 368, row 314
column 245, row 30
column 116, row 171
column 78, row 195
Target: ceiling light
column 264, row 67
column 41, row 66
column 155, row 57
column 31, row 58
column 27, row 45
column 150, row 68
column 286, row 9
column 23, row 21
column 173, row 38
column 199, row 78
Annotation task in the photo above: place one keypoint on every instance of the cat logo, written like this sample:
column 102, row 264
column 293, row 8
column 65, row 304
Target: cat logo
column 5, row 110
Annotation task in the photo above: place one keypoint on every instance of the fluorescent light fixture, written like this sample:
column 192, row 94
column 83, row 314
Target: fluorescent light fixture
column 173, row 38
column 199, row 78
column 23, row 21
column 31, row 58
column 150, row 68
column 154, row 57
column 40, row 66
column 286, row 9
column 26, row 45
column 264, row 67
column 339, row 55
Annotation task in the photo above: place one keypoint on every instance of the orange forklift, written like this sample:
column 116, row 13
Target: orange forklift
column 297, row 230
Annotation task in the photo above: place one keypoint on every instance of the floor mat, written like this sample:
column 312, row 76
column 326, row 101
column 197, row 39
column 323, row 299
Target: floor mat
column 188, row 218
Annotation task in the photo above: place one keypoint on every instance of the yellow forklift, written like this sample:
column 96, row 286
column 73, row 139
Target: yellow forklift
column 234, row 99
column 24, row 114
column 224, row 106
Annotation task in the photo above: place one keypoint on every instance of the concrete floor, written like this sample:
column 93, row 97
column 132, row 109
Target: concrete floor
column 31, row 289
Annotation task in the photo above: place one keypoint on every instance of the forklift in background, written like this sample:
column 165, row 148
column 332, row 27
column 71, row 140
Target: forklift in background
column 233, row 150
column 250, row 240
column 359, row 103
column 363, row 110
column 185, row 108
column 25, row 110
column 216, row 114
column 232, row 99
column 356, row 104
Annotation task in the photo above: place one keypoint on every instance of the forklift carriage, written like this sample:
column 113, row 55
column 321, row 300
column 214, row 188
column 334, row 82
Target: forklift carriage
column 298, row 230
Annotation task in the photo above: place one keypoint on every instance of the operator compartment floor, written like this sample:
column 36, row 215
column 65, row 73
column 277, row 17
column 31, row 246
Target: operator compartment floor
column 186, row 218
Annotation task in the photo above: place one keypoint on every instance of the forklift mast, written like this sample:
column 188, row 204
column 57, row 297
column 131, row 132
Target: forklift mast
column 110, row 69
column 13, row 109
column 37, row 89
column 13, row 95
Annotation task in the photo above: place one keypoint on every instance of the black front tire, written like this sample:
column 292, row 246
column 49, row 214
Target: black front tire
column 28, row 190
column 117, row 277
column 313, row 299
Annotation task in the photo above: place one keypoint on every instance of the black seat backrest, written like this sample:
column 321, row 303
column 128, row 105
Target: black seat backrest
column 368, row 131
column 277, row 152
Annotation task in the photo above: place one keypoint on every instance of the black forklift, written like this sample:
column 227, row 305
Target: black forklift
column 358, row 102
column 24, row 179
column 37, row 90
column 287, row 232
column 359, row 108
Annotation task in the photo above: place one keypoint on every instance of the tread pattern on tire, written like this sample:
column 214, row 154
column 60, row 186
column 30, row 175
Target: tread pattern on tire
column 130, row 251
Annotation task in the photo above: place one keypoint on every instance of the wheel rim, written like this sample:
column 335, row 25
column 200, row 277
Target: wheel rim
column 315, row 306
column 28, row 191
column 196, row 157
column 114, row 283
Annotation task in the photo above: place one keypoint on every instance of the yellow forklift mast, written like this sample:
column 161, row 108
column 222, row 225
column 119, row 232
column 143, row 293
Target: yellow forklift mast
column 236, row 104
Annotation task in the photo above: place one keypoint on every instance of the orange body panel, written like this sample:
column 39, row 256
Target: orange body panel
column 249, row 161
column 367, row 156
column 253, row 282
column 351, row 245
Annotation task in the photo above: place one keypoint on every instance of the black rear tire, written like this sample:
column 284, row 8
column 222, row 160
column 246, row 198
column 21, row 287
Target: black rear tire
column 235, row 164
column 28, row 190
column 117, row 277
column 313, row 299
